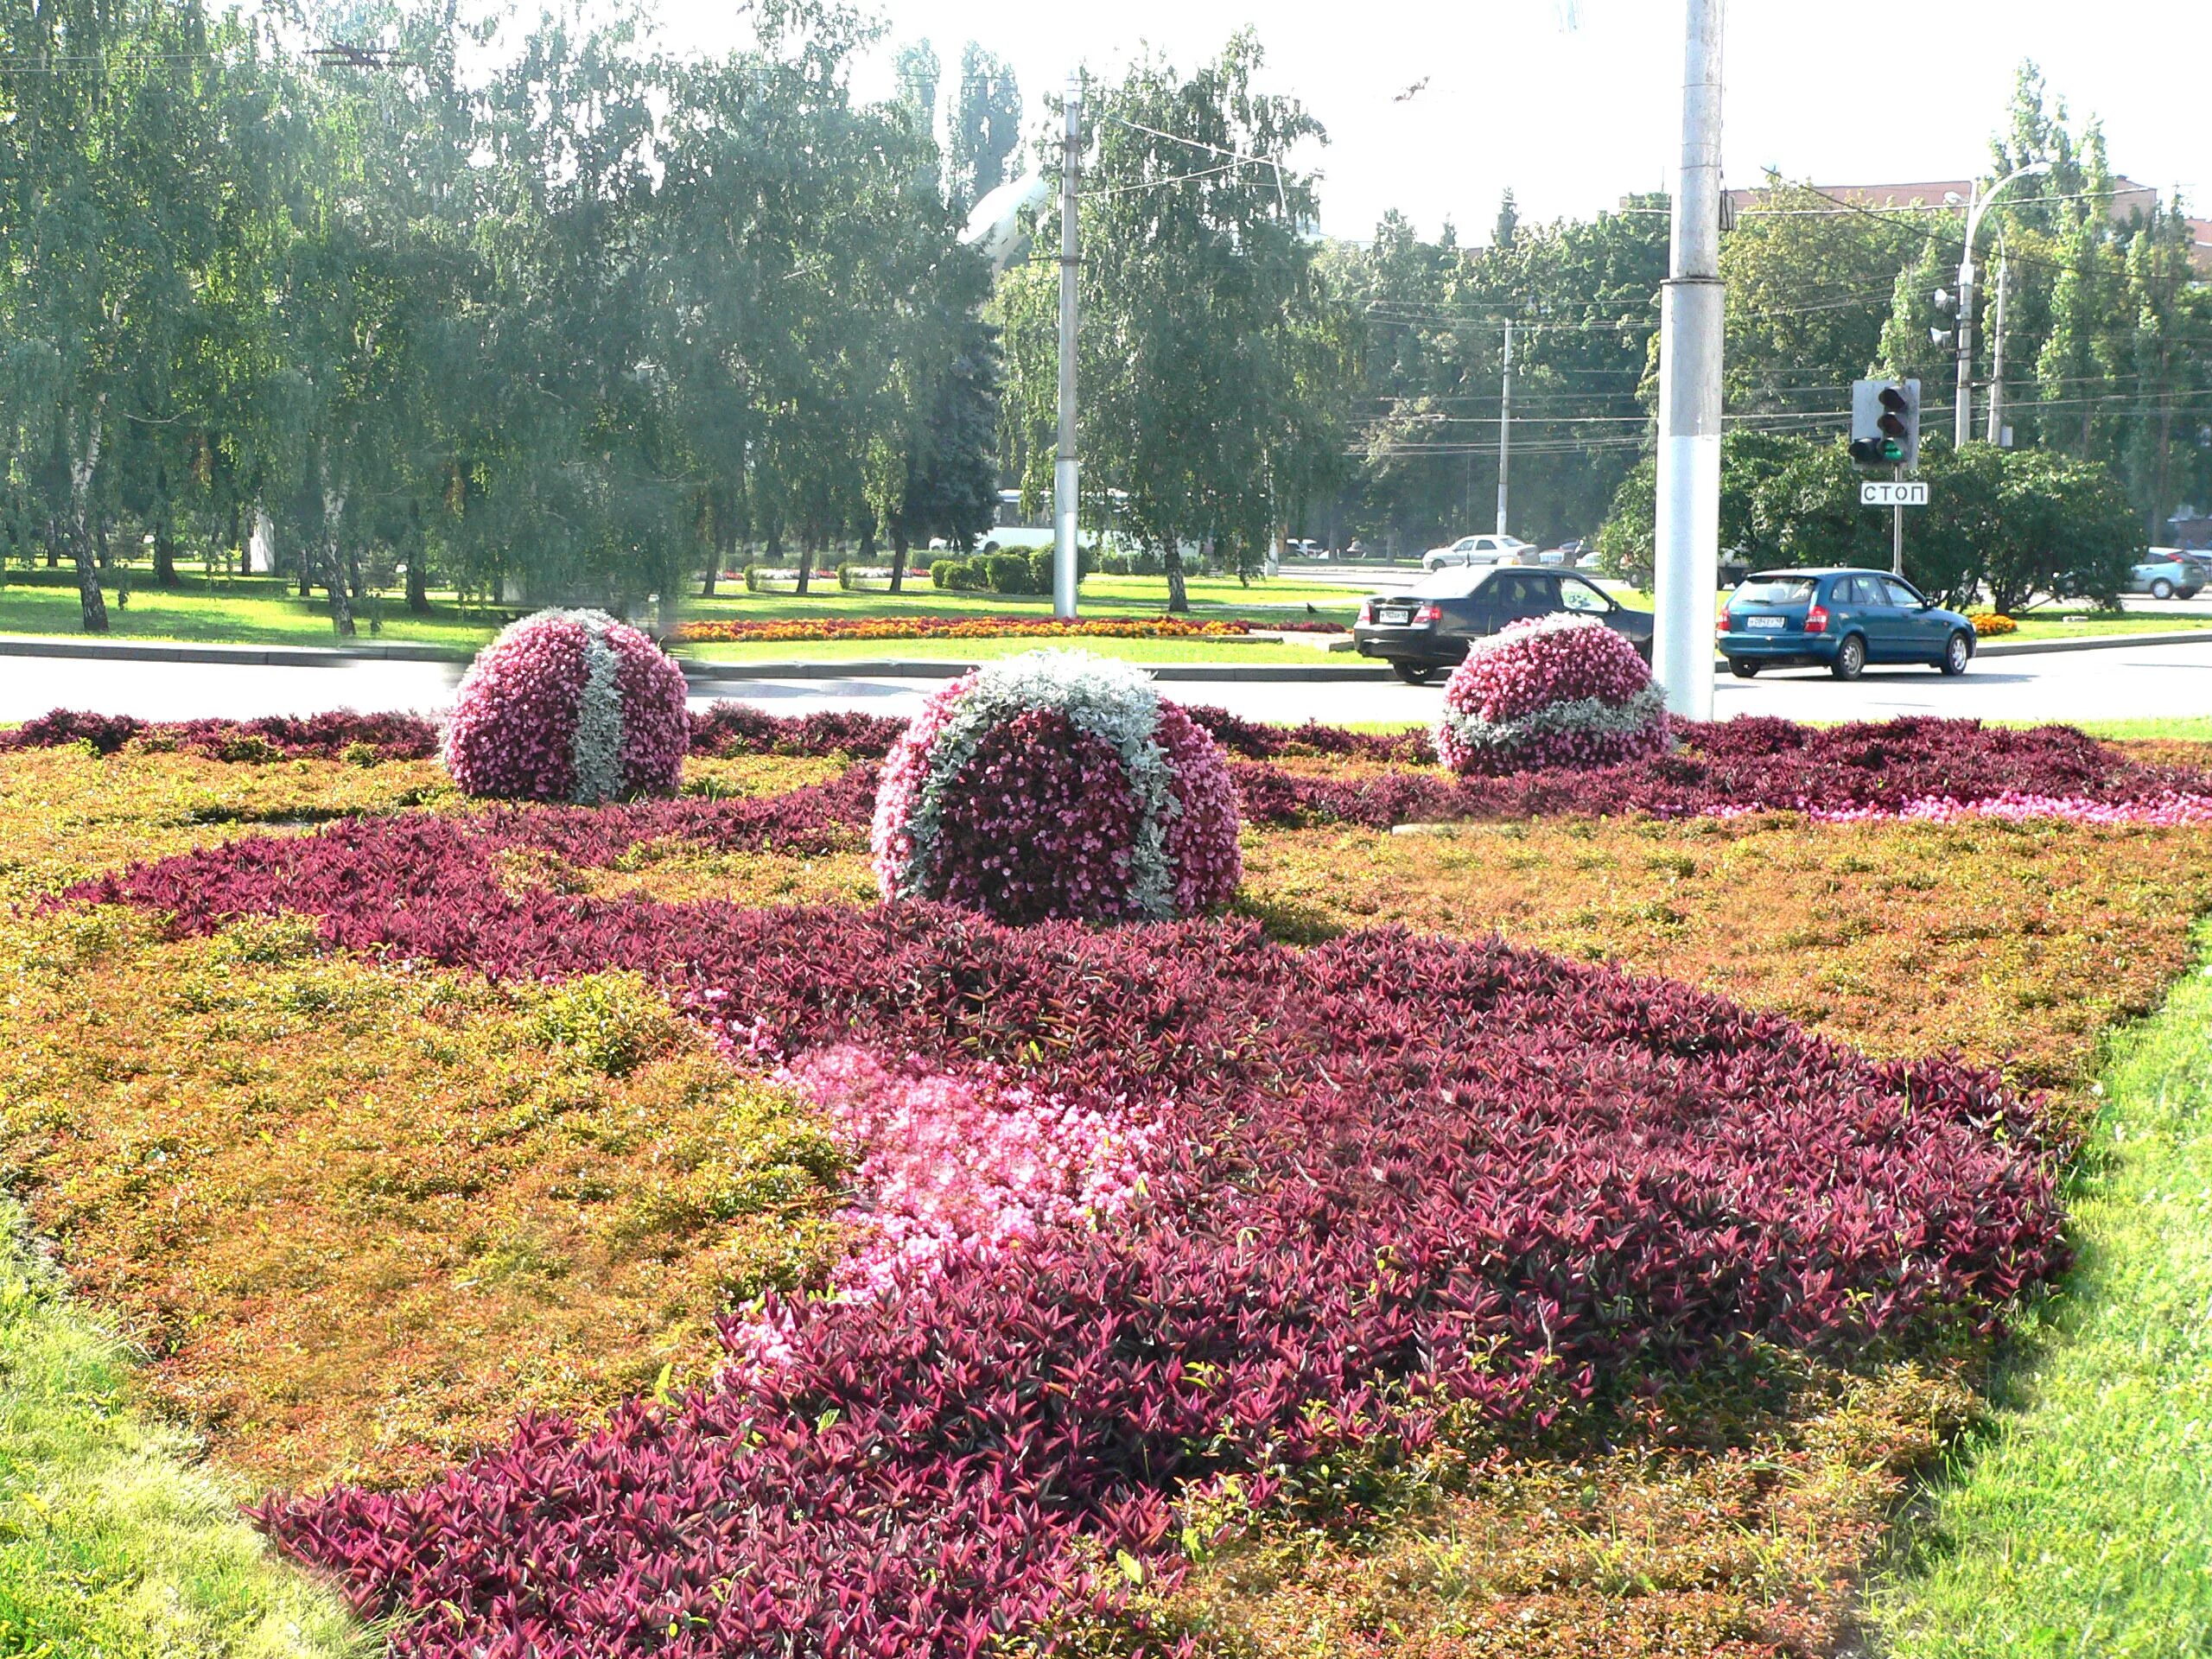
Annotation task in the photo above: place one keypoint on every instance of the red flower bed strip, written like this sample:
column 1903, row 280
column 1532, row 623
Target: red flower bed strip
column 322, row 737
column 1390, row 1173
column 797, row 629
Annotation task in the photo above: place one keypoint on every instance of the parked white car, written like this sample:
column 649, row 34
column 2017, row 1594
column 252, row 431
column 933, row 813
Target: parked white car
column 1476, row 550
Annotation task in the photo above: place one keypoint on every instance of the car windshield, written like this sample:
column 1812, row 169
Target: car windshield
column 1444, row 584
column 1775, row 590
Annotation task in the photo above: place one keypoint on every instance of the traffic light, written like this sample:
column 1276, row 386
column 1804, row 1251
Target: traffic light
column 1886, row 422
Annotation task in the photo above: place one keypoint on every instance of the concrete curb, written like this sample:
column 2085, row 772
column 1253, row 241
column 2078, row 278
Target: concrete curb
column 709, row 673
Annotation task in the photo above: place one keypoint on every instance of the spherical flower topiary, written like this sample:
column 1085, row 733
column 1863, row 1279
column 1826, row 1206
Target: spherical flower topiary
column 569, row 706
column 1057, row 784
column 1559, row 691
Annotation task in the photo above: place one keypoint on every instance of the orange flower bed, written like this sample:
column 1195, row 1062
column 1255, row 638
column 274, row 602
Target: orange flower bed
column 1988, row 623
column 796, row 630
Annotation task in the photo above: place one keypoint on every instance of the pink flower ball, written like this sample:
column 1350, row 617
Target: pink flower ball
column 1058, row 786
column 1559, row 691
column 569, row 706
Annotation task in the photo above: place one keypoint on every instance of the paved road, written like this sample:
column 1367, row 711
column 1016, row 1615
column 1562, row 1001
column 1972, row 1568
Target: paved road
column 2112, row 684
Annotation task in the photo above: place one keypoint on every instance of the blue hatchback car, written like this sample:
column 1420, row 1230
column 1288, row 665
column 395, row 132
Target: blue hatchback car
column 1840, row 621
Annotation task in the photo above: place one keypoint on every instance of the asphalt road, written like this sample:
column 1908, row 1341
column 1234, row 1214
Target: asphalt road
column 2111, row 684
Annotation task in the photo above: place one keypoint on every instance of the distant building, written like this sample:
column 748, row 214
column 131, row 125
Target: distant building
column 2192, row 529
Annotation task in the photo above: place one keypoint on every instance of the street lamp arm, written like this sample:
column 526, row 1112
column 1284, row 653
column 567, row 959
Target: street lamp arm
column 1982, row 207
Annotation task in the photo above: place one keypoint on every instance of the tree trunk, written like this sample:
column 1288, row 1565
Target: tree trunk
column 418, row 580
column 239, row 542
column 899, row 560
column 92, row 606
column 805, row 561
column 334, row 558
column 164, row 554
column 52, row 543
column 1178, row 597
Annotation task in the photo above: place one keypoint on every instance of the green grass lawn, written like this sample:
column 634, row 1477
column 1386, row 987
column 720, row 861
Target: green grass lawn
column 2083, row 1525
column 113, row 1540
column 237, row 610
column 267, row 610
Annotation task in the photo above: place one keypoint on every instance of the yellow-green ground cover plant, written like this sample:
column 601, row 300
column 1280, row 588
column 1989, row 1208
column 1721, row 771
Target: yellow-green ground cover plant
column 357, row 1207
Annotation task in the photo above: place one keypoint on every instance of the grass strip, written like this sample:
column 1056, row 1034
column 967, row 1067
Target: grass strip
column 2083, row 1523
column 114, row 1544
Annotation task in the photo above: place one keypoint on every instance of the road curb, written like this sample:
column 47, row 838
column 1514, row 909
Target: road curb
column 2001, row 647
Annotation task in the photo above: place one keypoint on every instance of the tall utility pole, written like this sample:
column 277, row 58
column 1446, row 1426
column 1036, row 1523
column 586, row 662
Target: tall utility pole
column 1997, row 343
column 1065, row 570
column 1962, row 409
column 1688, row 531
column 1505, row 431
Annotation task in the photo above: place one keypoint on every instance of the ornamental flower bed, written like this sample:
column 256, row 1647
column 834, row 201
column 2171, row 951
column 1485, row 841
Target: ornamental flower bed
column 720, row 631
column 1391, row 1176
column 1054, row 785
column 569, row 706
column 1990, row 623
column 342, row 735
column 1557, row 691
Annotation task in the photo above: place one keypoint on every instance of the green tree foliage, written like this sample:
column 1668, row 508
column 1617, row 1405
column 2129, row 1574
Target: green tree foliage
column 1202, row 320
column 985, row 128
column 2016, row 525
column 1428, row 342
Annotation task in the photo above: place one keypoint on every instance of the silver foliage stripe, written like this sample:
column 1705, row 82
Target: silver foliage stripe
column 1591, row 717
column 1112, row 701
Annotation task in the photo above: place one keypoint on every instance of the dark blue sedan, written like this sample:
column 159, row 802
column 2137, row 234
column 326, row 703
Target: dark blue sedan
column 1840, row 621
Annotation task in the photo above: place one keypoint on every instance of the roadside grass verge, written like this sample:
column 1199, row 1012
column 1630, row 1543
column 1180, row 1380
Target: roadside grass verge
column 2083, row 1523
column 114, row 1543
column 267, row 610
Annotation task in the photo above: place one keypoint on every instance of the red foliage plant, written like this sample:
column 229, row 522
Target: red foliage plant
column 320, row 737
column 1392, row 1174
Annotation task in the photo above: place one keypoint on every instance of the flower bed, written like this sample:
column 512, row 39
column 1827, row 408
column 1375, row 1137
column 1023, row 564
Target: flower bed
column 1988, row 624
column 1559, row 691
column 719, row 631
column 365, row 739
column 1376, row 1193
column 1053, row 785
column 1389, row 1174
column 569, row 706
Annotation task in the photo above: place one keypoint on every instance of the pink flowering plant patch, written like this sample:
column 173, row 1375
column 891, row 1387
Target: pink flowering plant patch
column 1558, row 691
column 1057, row 785
column 569, row 706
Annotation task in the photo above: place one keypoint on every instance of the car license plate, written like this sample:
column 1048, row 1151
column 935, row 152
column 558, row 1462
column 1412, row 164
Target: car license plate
column 1394, row 619
column 1768, row 623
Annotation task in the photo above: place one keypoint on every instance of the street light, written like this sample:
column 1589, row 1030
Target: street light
column 1962, row 416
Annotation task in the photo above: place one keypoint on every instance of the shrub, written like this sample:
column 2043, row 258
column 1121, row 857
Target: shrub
column 1562, row 690
column 1057, row 784
column 568, row 705
column 957, row 575
column 1987, row 624
column 1012, row 573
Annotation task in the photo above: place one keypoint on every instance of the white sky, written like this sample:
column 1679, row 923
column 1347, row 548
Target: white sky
column 1573, row 119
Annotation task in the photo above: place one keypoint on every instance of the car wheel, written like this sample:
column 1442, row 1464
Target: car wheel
column 1956, row 655
column 1850, row 657
column 1412, row 673
column 1744, row 671
column 2162, row 588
